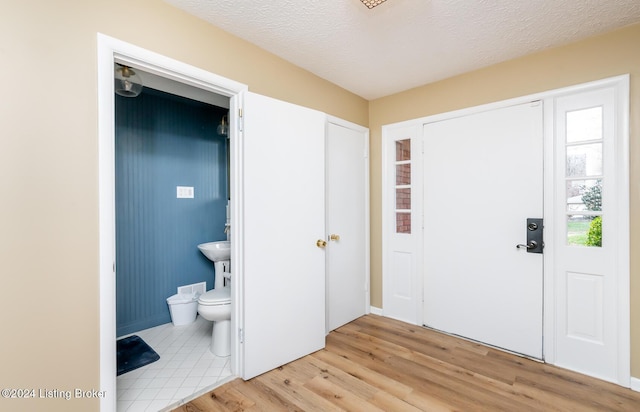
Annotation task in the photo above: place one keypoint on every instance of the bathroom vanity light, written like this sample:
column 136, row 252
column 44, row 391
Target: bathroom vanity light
column 128, row 82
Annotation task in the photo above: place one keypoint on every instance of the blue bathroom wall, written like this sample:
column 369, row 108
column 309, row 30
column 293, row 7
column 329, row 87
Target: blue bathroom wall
column 164, row 141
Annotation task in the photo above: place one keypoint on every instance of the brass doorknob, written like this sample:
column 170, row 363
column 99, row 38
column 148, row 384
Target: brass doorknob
column 321, row 243
column 334, row 237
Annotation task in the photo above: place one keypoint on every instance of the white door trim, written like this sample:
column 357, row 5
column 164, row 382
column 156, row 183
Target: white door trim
column 109, row 51
column 621, row 86
column 622, row 89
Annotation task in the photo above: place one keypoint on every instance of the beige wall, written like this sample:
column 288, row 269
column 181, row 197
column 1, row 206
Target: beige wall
column 604, row 56
column 49, row 168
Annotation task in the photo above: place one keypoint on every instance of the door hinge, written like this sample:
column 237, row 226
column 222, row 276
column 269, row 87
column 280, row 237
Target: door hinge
column 240, row 120
column 241, row 335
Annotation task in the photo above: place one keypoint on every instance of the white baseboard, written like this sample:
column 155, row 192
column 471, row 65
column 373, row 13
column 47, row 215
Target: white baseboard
column 375, row 311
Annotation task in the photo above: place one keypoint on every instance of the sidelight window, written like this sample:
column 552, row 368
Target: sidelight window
column 584, row 176
column 403, row 186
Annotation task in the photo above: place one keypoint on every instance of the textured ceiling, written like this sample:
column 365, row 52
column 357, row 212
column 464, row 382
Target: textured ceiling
column 402, row 44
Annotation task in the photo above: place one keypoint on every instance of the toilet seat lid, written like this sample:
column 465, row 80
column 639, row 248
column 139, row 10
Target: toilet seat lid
column 218, row 296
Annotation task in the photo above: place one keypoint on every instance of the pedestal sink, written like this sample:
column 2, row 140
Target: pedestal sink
column 216, row 251
column 215, row 305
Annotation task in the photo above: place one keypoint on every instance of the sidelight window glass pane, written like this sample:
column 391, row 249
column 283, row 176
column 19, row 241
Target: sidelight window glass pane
column 584, row 125
column 584, row 160
column 403, row 199
column 403, row 174
column 584, row 195
column 584, row 230
column 403, row 150
column 403, row 222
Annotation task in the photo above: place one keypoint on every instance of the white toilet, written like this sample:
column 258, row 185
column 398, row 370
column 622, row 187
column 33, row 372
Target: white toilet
column 215, row 305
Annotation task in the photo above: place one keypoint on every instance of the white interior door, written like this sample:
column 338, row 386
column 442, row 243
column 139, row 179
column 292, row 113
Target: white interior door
column 482, row 180
column 347, row 224
column 283, row 208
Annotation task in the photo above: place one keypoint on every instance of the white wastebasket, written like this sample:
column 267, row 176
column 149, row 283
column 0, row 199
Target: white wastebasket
column 183, row 309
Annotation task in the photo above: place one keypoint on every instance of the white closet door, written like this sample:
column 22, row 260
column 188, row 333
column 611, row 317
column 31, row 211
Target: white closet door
column 347, row 224
column 283, row 209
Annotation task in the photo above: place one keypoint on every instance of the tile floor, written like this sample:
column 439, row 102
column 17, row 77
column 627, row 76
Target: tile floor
column 186, row 367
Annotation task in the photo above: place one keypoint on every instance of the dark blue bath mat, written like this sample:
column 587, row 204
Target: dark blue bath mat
column 133, row 353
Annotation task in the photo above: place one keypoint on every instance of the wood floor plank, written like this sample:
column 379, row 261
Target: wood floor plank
column 427, row 402
column 347, row 391
column 265, row 398
column 284, row 381
column 210, row 401
column 234, row 400
column 339, row 396
column 379, row 364
column 340, row 378
column 444, row 373
column 435, row 345
column 356, row 370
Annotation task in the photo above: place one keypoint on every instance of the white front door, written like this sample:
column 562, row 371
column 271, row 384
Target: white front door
column 347, row 224
column 482, row 180
column 283, row 217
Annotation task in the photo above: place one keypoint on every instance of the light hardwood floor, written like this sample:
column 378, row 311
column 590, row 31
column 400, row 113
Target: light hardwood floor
column 379, row 364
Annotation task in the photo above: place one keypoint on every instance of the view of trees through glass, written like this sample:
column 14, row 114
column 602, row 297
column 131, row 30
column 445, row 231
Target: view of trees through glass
column 586, row 230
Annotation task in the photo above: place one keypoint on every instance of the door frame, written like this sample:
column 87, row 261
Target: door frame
column 109, row 51
column 621, row 86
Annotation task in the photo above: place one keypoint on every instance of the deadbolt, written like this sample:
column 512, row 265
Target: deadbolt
column 535, row 242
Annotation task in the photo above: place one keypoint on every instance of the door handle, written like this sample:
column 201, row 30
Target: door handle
column 535, row 242
column 321, row 243
column 334, row 237
column 532, row 245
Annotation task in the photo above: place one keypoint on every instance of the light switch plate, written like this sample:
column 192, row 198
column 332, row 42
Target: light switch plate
column 184, row 192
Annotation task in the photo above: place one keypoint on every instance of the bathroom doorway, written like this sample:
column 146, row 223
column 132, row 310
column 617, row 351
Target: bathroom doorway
column 112, row 51
column 168, row 138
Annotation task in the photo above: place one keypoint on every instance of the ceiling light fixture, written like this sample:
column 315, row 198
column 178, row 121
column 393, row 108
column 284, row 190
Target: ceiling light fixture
column 372, row 3
column 223, row 127
column 128, row 82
